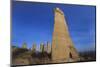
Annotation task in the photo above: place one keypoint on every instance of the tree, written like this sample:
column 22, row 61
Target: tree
column 24, row 45
column 34, row 47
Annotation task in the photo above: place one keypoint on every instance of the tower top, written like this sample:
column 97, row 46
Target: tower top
column 58, row 10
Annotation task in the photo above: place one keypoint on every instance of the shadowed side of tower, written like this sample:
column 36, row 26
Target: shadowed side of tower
column 62, row 47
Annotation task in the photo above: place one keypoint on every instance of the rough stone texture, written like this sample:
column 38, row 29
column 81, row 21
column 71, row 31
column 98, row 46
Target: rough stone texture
column 62, row 46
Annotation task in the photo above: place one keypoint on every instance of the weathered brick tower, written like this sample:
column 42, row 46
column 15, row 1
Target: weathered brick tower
column 62, row 47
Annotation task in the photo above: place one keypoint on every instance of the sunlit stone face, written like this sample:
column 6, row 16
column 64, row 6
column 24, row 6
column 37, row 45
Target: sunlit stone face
column 61, row 39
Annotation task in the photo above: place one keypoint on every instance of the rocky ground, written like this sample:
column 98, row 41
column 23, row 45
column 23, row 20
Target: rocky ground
column 23, row 56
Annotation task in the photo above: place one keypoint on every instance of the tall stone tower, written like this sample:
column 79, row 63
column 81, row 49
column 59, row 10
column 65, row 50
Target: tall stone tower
column 62, row 47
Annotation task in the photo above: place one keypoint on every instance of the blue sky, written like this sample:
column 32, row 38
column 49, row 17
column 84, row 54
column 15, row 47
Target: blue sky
column 33, row 22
